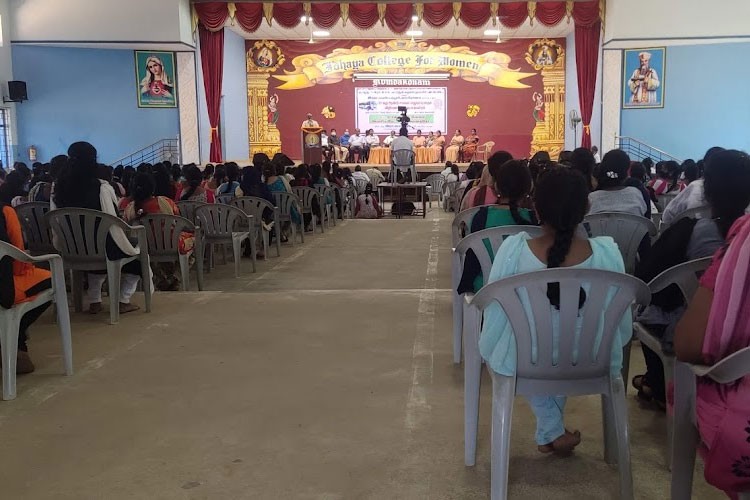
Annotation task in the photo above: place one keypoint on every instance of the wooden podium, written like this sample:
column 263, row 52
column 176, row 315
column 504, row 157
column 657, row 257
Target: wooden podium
column 312, row 151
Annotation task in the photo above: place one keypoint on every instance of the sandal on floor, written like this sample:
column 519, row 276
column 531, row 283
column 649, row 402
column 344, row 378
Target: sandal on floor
column 126, row 308
column 95, row 308
column 564, row 445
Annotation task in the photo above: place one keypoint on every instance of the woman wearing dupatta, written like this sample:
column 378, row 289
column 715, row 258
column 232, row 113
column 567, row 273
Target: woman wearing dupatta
column 470, row 145
column 716, row 325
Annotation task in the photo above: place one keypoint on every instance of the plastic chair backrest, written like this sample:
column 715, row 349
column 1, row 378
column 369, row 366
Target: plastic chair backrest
column 577, row 355
column 627, row 230
column 252, row 205
column 702, row 212
column 81, row 234
column 402, row 158
column 163, row 233
column 459, row 195
column 488, row 146
column 360, row 185
column 36, row 230
column 285, row 201
column 684, row 275
column 435, row 181
column 451, row 187
column 306, row 195
column 187, row 209
column 220, row 221
column 326, row 193
column 496, row 236
column 729, row 369
column 462, row 224
column 666, row 198
column 225, row 199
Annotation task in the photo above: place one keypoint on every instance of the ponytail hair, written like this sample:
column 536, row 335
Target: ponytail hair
column 194, row 178
column 513, row 181
column 141, row 189
column 561, row 200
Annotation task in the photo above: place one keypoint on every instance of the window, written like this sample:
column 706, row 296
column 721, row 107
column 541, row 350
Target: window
column 5, row 138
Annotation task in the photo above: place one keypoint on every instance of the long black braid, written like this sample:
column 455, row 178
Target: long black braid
column 726, row 187
column 514, row 182
column 561, row 200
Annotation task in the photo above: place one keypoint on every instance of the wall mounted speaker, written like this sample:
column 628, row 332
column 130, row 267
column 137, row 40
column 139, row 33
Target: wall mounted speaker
column 17, row 91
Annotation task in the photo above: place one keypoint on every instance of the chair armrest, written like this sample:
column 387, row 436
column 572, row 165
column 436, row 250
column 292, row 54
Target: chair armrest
column 140, row 232
column 21, row 256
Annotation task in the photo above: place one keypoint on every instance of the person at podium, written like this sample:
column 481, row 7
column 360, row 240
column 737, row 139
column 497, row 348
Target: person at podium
column 309, row 122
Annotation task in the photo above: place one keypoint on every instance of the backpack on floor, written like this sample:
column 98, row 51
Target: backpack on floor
column 403, row 208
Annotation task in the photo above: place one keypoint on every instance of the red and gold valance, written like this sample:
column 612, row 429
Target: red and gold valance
column 397, row 16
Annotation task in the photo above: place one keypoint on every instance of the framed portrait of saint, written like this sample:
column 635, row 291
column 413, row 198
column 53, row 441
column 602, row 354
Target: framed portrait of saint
column 156, row 80
column 643, row 75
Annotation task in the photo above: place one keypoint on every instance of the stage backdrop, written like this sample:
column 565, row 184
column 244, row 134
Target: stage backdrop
column 513, row 93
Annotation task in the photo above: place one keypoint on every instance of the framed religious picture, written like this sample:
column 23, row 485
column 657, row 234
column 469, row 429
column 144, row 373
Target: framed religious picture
column 643, row 78
column 156, row 79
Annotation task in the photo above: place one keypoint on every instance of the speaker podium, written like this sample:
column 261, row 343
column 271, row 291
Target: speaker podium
column 312, row 150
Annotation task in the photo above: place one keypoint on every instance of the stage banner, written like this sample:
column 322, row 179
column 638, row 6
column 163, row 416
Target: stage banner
column 377, row 108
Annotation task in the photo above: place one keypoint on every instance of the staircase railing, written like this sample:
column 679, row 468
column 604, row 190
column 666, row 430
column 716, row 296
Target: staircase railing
column 638, row 150
column 162, row 150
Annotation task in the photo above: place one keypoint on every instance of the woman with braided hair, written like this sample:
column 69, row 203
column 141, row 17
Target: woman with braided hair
column 561, row 203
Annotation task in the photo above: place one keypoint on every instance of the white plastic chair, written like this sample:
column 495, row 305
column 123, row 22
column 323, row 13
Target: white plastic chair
column 306, row 195
column 435, row 183
column 577, row 369
column 361, row 185
column 187, row 209
column 220, row 224
column 475, row 242
column 254, row 206
column 665, row 199
column 163, row 236
column 224, row 199
column 686, row 278
column 627, row 230
column 402, row 161
column 458, row 195
column 449, row 190
column 686, row 436
column 10, row 319
column 80, row 237
column 286, row 202
column 702, row 212
column 330, row 212
column 36, row 231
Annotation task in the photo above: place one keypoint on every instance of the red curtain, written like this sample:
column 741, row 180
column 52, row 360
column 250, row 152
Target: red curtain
column 587, row 60
column 398, row 16
column 475, row 15
column 212, row 62
column 586, row 13
column 249, row 15
column 325, row 15
column 513, row 14
column 287, row 15
column 550, row 13
column 363, row 15
column 437, row 14
column 212, row 14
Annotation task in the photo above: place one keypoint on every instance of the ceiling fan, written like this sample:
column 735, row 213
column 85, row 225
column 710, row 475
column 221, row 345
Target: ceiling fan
column 313, row 32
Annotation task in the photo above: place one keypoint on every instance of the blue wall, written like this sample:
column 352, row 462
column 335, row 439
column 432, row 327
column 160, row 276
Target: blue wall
column 234, row 103
column 85, row 94
column 705, row 102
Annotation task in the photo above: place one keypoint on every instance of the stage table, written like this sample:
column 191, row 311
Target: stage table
column 410, row 191
column 379, row 156
column 425, row 155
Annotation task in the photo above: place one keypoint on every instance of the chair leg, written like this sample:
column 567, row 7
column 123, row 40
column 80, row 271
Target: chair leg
column 237, row 249
column 146, row 279
column 301, row 228
column 253, row 238
column 503, row 392
column 114, row 268
column 199, row 264
column 457, row 310
column 472, row 383
column 264, row 237
column 609, row 431
column 668, row 363
column 620, row 413
column 626, row 363
column 686, row 437
column 63, row 315
column 184, row 273
column 9, row 347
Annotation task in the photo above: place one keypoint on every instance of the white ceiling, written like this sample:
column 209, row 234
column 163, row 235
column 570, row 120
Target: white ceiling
column 450, row 31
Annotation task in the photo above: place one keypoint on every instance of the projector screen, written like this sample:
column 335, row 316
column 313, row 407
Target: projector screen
column 377, row 108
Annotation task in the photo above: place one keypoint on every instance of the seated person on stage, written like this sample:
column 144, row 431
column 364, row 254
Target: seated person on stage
column 357, row 147
column 367, row 205
column 452, row 151
column 340, row 151
column 345, row 144
column 376, row 176
column 325, row 145
column 309, row 122
column 388, row 140
column 371, row 141
column 358, row 175
column 437, row 144
column 470, row 146
column 419, row 140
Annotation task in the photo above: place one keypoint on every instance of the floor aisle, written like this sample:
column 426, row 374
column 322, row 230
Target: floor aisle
column 327, row 375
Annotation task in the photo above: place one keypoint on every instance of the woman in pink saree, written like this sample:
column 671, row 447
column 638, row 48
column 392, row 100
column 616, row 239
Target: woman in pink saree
column 715, row 325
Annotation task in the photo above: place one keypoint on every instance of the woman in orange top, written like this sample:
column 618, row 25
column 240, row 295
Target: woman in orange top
column 28, row 281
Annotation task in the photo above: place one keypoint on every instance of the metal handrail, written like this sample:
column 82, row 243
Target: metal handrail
column 640, row 150
column 162, row 150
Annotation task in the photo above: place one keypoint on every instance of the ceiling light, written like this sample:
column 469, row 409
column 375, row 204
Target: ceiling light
column 414, row 33
column 491, row 32
column 414, row 18
column 321, row 33
column 303, row 19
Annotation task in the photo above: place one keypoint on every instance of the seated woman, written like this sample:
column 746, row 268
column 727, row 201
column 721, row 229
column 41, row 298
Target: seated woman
column 253, row 185
column 142, row 188
column 231, row 181
column 484, row 193
column 302, row 176
column 582, row 159
column 367, row 205
column 727, row 191
column 193, row 191
column 438, row 142
column 275, row 184
column 452, row 151
column 20, row 282
column 419, row 140
column 453, row 176
column 217, row 180
column 470, row 146
column 612, row 195
column 561, row 201
column 79, row 187
column 208, row 174
column 667, row 179
column 513, row 184
column 715, row 325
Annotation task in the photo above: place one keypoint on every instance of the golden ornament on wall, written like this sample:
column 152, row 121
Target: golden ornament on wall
column 264, row 57
column 472, row 110
column 328, row 112
column 545, row 54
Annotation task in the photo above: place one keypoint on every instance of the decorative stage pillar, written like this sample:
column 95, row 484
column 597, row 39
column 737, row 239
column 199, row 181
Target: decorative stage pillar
column 549, row 110
column 263, row 136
